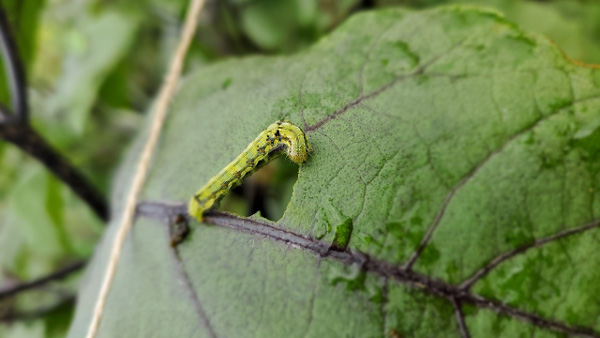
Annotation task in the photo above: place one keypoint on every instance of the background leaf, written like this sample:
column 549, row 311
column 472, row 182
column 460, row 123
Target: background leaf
column 96, row 42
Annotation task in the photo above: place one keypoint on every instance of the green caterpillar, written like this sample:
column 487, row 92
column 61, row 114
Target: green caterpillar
column 278, row 137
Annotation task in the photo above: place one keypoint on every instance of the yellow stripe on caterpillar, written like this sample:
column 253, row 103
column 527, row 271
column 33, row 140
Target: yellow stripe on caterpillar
column 281, row 136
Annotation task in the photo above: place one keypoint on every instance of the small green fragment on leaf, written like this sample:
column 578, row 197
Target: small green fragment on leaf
column 343, row 232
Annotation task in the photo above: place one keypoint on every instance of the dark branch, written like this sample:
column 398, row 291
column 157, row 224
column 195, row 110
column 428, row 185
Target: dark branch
column 29, row 141
column 39, row 312
column 428, row 284
column 510, row 254
column 14, row 126
column 14, row 69
column 55, row 276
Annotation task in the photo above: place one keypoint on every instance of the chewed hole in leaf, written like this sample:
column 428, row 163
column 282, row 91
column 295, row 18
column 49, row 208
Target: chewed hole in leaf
column 267, row 191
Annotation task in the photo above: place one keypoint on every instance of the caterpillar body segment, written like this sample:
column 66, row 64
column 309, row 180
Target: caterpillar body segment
column 280, row 137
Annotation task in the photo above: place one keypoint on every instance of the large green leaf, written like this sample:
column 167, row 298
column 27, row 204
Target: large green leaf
column 451, row 125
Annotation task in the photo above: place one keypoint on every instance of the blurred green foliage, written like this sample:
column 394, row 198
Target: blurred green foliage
column 94, row 68
column 23, row 17
column 284, row 26
column 572, row 24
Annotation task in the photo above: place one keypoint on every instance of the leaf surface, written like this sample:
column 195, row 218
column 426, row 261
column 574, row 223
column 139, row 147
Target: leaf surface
column 446, row 139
